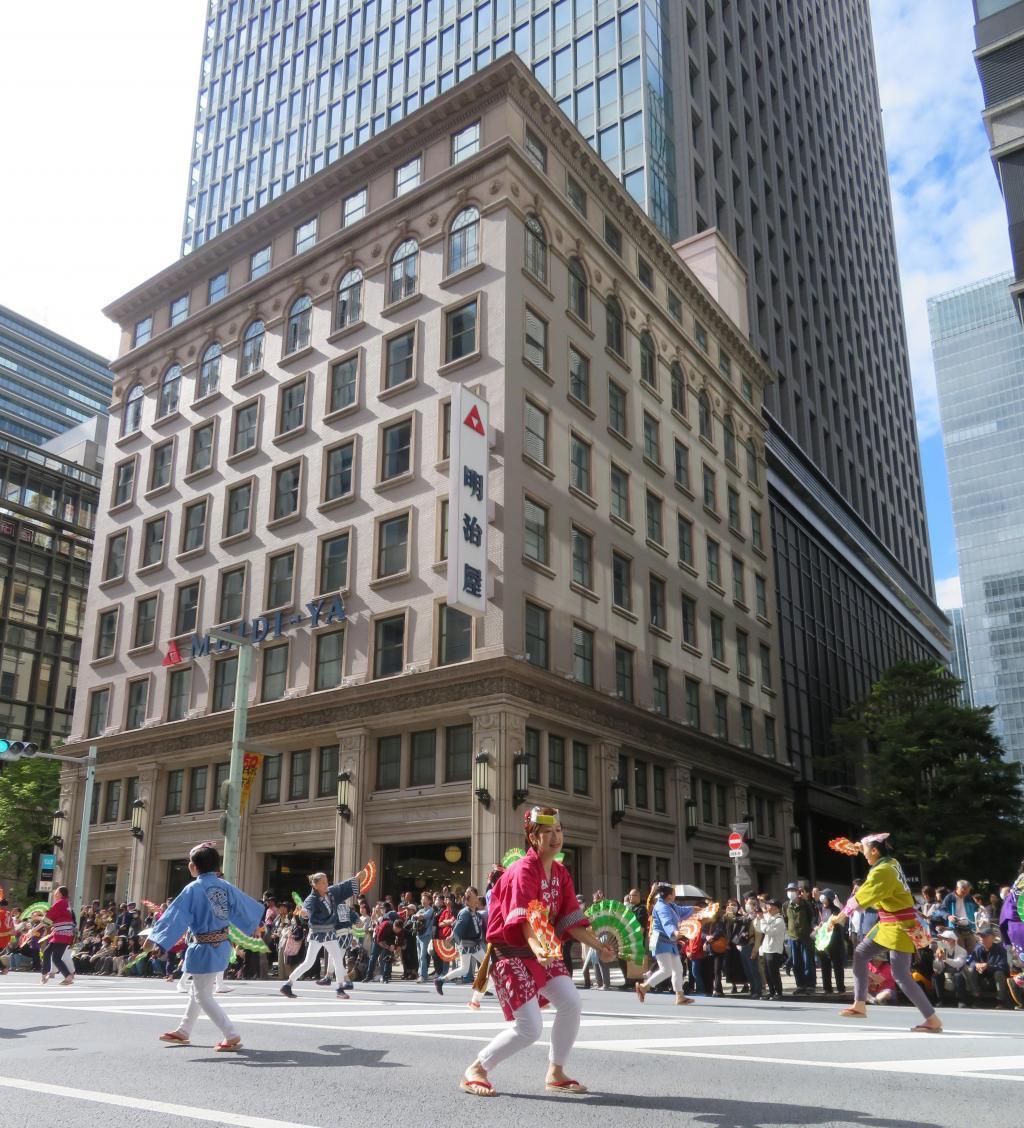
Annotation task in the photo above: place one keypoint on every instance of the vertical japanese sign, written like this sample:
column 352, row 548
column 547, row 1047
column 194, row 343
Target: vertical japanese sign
column 250, row 765
column 467, row 503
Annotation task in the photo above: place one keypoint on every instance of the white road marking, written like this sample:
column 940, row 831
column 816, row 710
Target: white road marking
column 187, row 1112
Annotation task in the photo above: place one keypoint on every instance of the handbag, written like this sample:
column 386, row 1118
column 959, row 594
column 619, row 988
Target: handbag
column 292, row 946
column 719, row 946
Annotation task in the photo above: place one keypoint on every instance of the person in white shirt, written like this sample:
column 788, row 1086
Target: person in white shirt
column 772, row 928
column 948, row 962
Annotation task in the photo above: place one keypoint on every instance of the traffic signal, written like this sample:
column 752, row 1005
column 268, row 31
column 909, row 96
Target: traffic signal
column 17, row 749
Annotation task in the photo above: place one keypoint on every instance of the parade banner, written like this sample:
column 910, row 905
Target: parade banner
column 250, row 766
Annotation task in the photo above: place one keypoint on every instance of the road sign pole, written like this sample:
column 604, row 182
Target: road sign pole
column 83, row 834
column 232, row 813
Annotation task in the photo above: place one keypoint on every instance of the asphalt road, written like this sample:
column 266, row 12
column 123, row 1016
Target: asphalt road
column 89, row 1055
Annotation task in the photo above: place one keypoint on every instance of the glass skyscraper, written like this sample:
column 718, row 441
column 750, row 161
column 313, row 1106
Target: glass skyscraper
column 960, row 660
column 978, row 345
column 759, row 118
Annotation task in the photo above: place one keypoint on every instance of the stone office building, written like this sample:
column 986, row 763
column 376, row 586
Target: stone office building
column 278, row 465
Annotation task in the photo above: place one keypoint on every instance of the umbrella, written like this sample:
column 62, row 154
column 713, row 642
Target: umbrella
column 692, row 892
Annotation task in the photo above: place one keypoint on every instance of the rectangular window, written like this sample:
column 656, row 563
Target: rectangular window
column 556, row 762
column 401, row 359
column 684, row 527
column 746, row 727
column 624, row 672
column 143, row 331
column 458, row 753
column 582, row 558
column 618, row 412
column 396, row 450
column 466, row 143
column 710, row 491
column 280, row 579
column 179, row 309
column 769, row 739
column 734, row 510
column 756, row 535
column 760, row 597
column 645, row 273
column 580, row 768
column 270, row 791
column 657, row 600
column 389, row 646
column 117, row 549
column 330, row 650
column 655, row 522
column 613, row 236
column 334, row 563
column 287, row 481
column 423, row 759
column 175, row 787
column 714, row 571
column 766, row 665
column 344, row 388
column 197, row 789
column 339, row 477
column 327, row 776
column 620, row 494
column 225, row 672
column 535, row 423
column 229, row 598
column 640, row 783
column 193, row 535
column 721, row 718
column 622, row 579
column 577, row 196
column 298, row 780
column 583, row 654
column 536, row 150
column 392, row 546
column 112, row 801
column 535, row 347
column 535, row 531
column 689, row 607
column 537, row 635
column 138, row 699
column 389, row 763
column 717, row 637
column 652, row 440
column 201, row 455
column 579, row 376
column 408, row 176
column 124, row 482
column 217, row 288
column 259, row 263
column 275, row 672
column 292, row 408
column 238, row 514
column 220, row 778
column 532, row 755
column 682, row 456
column 161, row 465
column 693, row 703
column 455, row 635
column 305, row 236
column 579, row 464
column 243, row 434
column 700, row 335
column 145, row 621
column 659, row 789
column 179, row 694
column 460, row 335
column 738, row 584
column 353, row 208
column 659, row 688
column 106, row 634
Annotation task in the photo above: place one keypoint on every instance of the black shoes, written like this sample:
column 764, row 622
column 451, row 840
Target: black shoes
column 342, row 993
column 439, row 985
column 286, row 990
column 325, row 982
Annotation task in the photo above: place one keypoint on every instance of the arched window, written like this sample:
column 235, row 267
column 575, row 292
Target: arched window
column 464, row 241
column 350, row 298
column 536, row 249
column 170, row 391
column 613, row 326
column 752, row 474
column 729, row 433
column 252, row 349
column 648, row 361
column 209, row 372
column 402, row 283
column 678, row 389
column 131, row 420
column 705, row 422
column 299, row 319
column 578, row 290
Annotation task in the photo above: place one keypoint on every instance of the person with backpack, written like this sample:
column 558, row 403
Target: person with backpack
column 467, row 932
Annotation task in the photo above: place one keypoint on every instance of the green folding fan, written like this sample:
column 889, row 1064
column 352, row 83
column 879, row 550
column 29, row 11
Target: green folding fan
column 618, row 927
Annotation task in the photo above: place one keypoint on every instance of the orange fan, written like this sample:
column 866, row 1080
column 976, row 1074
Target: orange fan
column 371, row 876
column 537, row 915
column 710, row 912
column 690, row 928
column 844, row 846
column 446, row 950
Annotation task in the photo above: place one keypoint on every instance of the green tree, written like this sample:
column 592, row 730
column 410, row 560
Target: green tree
column 934, row 775
column 29, row 790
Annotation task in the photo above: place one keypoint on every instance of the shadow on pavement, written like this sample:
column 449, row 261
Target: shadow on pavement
column 712, row 1113
column 335, row 1055
column 31, row 1030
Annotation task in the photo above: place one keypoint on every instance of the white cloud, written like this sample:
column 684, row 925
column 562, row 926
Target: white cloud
column 949, row 216
column 948, row 593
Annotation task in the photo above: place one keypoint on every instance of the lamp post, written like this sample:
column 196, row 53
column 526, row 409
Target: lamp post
column 480, row 764
column 520, row 778
column 57, row 828
column 692, row 826
column 345, row 795
column 138, row 809
column 618, row 800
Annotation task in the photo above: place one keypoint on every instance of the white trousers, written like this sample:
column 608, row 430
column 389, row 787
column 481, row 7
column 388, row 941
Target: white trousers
column 186, row 979
column 466, row 964
column 337, row 961
column 669, row 963
column 200, row 998
column 529, row 1026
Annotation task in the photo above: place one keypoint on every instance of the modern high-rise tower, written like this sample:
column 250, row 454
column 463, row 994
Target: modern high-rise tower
column 978, row 345
column 756, row 117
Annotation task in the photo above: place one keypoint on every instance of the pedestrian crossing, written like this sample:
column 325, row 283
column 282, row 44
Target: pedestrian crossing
column 979, row 1045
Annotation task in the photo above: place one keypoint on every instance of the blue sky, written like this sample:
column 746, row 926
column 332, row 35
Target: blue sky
column 950, row 222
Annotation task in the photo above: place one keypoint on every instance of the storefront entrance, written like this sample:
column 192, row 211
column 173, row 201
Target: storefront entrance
column 424, row 865
column 285, row 874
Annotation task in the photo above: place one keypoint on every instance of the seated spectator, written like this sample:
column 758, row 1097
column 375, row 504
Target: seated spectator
column 960, row 908
column 948, row 960
column 987, row 966
column 881, row 984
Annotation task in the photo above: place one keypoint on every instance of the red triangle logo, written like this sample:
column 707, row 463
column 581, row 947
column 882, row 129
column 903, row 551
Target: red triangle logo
column 473, row 421
column 173, row 655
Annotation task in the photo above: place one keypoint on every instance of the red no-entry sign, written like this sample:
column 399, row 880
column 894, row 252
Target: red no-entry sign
column 735, row 841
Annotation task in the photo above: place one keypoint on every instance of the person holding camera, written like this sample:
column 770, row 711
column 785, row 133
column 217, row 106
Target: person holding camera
column 467, row 932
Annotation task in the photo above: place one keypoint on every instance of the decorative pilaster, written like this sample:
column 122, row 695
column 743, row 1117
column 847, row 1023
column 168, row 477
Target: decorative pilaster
column 682, row 791
column 351, row 850
column 500, row 732
column 143, row 879
column 608, row 868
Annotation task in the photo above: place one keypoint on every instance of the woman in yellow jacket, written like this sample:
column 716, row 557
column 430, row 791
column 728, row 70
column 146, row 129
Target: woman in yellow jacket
column 885, row 889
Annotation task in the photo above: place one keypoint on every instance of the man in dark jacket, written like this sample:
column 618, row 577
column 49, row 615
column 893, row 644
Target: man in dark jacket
column 987, row 963
column 799, row 916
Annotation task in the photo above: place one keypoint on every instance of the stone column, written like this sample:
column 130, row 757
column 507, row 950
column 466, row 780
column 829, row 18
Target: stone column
column 682, row 863
column 607, row 864
column 71, row 789
column 351, row 849
column 144, row 874
column 500, row 732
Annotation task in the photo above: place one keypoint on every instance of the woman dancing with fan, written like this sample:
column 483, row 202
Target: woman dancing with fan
column 533, row 909
column 893, row 937
column 666, row 932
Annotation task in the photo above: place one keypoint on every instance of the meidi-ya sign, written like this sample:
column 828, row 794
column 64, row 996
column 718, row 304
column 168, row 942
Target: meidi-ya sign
column 316, row 613
column 467, row 503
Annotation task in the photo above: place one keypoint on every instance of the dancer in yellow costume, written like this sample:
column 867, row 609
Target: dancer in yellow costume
column 885, row 889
